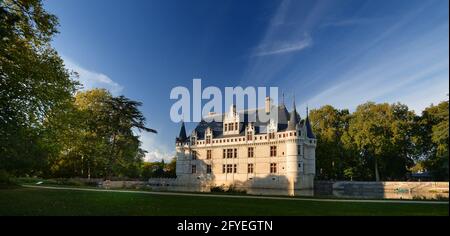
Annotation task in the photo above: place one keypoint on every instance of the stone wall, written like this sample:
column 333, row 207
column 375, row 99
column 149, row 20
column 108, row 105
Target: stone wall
column 391, row 189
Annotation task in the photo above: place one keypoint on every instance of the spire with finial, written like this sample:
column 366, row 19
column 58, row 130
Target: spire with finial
column 293, row 118
column 309, row 131
column 182, row 136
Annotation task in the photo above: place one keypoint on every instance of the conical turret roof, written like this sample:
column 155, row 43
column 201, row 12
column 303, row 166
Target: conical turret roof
column 309, row 131
column 182, row 136
column 293, row 118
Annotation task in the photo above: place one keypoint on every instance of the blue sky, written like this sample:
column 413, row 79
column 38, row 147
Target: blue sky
column 338, row 52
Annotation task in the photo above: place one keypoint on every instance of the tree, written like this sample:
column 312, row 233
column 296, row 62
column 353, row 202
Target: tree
column 329, row 124
column 123, row 117
column 33, row 81
column 433, row 139
column 382, row 136
column 96, row 136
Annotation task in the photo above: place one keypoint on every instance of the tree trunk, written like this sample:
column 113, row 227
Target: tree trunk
column 112, row 157
column 377, row 175
column 89, row 171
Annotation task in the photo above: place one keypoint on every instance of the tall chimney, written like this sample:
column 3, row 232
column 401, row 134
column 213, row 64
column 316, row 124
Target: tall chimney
column 267, row 105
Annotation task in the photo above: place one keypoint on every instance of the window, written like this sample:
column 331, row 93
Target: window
column 229, row 168
column 236, row 126
column 250, row 151
column 271, row 135
column 250, row 168
column 208, row 139
column 298, row 149
column 235, row 168
column 273, row 168
column 208, row 154
column 231, row 127
column 249, row 136
column 300, row 166
column 226, row 127
column 224, row 153
column 208, row 169
column 273, row 151
column 230, row 153
column 194, row 155
column 235, row 152
column 194, row 169
column 223, row 169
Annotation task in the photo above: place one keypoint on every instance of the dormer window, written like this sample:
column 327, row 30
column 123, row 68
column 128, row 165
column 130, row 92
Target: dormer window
column 272, row 135
column 208, row 139
column 226, row 127
column 249, row 136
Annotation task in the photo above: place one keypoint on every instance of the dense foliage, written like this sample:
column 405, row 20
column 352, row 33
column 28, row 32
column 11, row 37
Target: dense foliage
column 47, row 128
column 381, row 142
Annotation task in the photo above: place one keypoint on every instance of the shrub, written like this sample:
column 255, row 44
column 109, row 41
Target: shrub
column 441, row 197
column 6, row 180
column 232, row 189
column 218, row 189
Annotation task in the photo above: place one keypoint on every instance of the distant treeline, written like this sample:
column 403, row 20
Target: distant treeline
column 381, row 141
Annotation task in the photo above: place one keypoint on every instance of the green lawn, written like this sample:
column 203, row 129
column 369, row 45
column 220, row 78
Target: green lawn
column 29, row 201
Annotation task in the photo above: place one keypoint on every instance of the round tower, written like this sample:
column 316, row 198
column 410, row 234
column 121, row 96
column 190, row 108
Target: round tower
column 292, row 153
column 180, row 152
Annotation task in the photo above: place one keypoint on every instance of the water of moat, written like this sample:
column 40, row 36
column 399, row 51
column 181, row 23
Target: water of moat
column 398, row 194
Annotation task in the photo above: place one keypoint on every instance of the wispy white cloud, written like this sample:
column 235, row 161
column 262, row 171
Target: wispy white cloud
column 288, row 34
column 285, row 47
column 414, row 73
column 92, row 79
column 156, row 151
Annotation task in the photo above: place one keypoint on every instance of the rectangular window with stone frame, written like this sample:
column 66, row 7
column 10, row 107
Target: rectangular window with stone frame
column 229, row 153
column 250, row 151
column 250, row 168
column 273, row 168
column 229, row 168
column 273, row 151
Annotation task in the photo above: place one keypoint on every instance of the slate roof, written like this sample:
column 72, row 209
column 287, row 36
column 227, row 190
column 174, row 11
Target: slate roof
column 260, row 127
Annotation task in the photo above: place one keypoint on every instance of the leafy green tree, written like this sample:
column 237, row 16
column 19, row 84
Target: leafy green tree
column 123, row 117
column 96, row 137
column 33, row 81
column 329, row 125
column 433, row 139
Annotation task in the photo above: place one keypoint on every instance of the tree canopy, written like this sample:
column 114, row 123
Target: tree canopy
column 380, row 141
